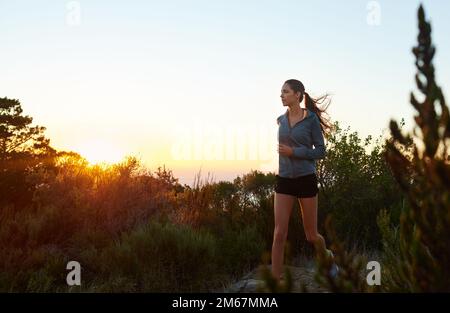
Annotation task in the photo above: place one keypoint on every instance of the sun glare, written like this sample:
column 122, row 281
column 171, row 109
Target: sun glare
column 100, row 151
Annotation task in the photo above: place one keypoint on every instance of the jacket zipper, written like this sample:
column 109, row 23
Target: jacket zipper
column 290, row 130
column 290, row 159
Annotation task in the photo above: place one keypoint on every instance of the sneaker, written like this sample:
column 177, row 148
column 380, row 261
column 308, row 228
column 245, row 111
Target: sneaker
column 334, row 268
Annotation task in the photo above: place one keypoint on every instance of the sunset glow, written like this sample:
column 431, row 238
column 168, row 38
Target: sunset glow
column 193, row 85
column 100, row 151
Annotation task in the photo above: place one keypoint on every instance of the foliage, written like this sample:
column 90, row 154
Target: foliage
column 424, row 179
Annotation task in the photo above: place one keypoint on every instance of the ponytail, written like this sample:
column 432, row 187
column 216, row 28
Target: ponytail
column 311, row 104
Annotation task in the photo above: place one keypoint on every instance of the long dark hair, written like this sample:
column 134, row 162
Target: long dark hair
column 312, row 104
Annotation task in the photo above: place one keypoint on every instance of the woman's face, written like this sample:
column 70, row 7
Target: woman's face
column 288, row 96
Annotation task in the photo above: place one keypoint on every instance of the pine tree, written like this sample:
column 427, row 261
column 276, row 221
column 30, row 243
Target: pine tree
column 16, row 136
column 21, row 148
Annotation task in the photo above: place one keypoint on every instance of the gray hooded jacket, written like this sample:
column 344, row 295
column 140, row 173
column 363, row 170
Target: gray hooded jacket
column 301, row 137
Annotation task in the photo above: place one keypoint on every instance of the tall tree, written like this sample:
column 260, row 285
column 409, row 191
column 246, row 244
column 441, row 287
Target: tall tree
column 21, row 147
column 17, row 137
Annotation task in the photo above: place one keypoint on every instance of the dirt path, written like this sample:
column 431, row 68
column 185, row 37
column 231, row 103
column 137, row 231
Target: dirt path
column 302, row 274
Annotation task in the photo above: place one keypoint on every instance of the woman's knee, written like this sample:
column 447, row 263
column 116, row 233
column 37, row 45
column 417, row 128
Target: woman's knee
column 279, row 235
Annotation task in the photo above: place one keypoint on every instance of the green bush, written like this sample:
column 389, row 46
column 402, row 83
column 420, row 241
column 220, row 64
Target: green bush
column 239, row 250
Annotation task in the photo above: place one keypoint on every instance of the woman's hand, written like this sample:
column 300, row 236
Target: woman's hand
column 285, row 150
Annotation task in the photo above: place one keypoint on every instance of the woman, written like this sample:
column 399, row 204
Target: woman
column 299, row 129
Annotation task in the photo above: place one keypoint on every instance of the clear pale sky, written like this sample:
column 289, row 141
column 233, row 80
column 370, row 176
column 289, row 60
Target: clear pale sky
column 196, row 84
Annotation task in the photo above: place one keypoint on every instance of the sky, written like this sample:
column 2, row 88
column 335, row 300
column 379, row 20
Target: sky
column 195, row 85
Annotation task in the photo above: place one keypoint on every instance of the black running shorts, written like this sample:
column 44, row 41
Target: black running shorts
column 300, row 187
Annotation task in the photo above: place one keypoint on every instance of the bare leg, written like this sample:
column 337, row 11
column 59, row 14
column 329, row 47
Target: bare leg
column 309, row 213
column 282, row 212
